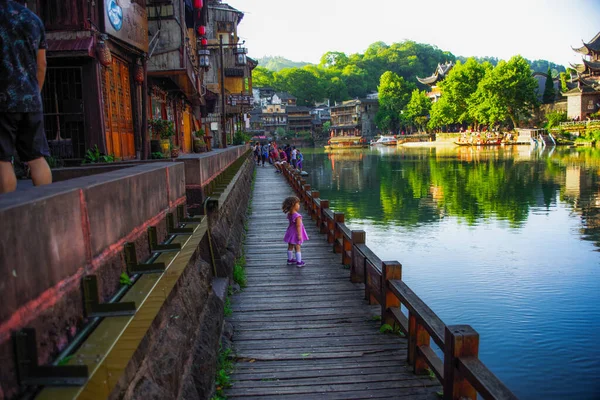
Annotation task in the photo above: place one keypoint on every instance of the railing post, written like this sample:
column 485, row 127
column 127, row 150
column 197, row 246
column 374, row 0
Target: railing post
column 330, row 230
column 337, row 233
column 460, row 341
column 304, row 198
column 323, row 218
column 313, row 204
column 412, row 338
column 347, row 245
column 390, row 270
column 358, row 237
column 422, row 338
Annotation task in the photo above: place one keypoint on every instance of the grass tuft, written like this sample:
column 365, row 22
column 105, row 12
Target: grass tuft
column 239, row 271
column 223, row 378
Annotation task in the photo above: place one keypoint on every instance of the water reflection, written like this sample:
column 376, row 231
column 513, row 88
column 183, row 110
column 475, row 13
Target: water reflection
column 504, row 239
column 423, row 185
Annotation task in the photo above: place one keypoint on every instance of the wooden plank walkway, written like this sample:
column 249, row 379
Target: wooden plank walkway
column 303, row 333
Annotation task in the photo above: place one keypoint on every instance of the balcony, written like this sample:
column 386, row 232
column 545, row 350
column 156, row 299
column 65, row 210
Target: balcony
column 179, row 69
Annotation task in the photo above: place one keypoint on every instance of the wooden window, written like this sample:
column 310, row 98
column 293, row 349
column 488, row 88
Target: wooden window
column 63, row 14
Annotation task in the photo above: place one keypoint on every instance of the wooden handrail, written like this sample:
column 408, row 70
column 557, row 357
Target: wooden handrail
column 460, row 371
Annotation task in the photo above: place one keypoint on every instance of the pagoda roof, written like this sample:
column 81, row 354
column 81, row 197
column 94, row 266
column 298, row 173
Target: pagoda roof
column 440, row 73
column 591, row 46
column 591, row 65
column 580, row 90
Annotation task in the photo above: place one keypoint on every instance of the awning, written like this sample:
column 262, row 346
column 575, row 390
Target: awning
column 82, row 47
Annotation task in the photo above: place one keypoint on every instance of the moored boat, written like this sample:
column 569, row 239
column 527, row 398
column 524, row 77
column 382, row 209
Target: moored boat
column 346, row 142
column 385, row 141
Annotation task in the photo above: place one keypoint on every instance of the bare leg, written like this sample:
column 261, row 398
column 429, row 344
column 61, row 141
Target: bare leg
column 40, row 172
column 290, row 247
column 298, row 248
column 8, row 179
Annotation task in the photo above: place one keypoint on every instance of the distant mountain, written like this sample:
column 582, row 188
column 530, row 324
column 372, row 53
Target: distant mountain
column 278, row 63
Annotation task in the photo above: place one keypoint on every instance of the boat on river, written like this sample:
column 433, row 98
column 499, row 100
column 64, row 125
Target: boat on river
column 483, row 142
column 384, row 140
column 346, row 142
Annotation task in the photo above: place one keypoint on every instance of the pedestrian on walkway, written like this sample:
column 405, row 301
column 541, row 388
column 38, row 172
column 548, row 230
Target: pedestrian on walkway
column 295, row 234
column 299, row 160
column 293, row 157
column 265, row 153
column 22, row 71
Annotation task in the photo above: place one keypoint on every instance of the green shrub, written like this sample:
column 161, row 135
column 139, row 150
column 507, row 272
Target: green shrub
column 94, row 156
column 554, row 118
column 240, row 138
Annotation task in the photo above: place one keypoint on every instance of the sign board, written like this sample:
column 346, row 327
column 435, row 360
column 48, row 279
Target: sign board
column 127, row 20
column 240, row 100
column 214, row 126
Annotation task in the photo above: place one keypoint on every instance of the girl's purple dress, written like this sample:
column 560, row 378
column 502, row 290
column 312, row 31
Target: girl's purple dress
column 291, row 235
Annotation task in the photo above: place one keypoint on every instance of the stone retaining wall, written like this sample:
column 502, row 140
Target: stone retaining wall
column 52, row 236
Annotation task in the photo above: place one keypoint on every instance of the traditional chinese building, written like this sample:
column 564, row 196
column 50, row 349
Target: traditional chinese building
column 228, row 78
column 173, row 70
column 432, row 81
column 274, row 117
column 354, row 118
column 95, row 71
column 584, row 99
column 299, row 119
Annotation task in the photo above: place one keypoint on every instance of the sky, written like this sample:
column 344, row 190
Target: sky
column 305, row 30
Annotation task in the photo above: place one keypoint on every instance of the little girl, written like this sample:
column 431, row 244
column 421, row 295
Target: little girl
column 295, row 234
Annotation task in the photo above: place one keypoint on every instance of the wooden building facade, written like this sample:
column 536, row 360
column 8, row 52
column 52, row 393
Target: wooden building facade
column 90, row 94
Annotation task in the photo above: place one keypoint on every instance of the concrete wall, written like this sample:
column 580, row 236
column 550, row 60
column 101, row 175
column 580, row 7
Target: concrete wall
column 199, row 172
column 177, row 358
column 54, row 235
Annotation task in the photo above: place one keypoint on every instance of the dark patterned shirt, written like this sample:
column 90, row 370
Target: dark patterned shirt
column 21, row 35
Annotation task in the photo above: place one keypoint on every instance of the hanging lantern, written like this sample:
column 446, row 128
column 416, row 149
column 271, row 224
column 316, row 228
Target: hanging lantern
column 198, row 4
column 203, row 41
column 201, row 30
column 138, row 74
column 204, row 58
column 103, row 52
column 240, row 56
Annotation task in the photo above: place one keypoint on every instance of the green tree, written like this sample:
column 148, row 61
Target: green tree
column 460, row 84
column 302, row 83
column 394, row 94
column 334, row 59
column 507, row 91
column 417, row 109
column 262, row 77
column 549, row 94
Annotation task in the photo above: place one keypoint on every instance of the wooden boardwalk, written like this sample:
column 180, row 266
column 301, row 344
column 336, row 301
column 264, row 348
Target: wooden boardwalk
column 303, row 333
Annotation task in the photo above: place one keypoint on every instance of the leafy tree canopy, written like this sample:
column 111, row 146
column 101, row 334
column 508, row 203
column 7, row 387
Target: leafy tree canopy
column 507, row 91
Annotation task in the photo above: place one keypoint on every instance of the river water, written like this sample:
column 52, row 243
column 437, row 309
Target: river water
column 506, row 240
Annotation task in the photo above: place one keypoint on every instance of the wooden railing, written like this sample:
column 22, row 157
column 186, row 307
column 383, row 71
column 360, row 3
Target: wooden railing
column 460, row 371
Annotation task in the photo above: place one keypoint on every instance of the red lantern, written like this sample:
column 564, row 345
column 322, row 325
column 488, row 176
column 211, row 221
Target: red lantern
column 103, row 53
column 198, row 4
column 203, row 41
column 201, row 30
column 138, row 74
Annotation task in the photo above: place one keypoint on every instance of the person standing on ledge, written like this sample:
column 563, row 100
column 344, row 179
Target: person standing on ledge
column 22, row 72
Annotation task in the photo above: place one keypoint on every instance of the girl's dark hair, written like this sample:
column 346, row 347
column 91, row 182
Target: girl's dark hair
column 289, row 203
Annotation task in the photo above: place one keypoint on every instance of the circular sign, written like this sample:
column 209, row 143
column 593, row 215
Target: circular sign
column 115, row 14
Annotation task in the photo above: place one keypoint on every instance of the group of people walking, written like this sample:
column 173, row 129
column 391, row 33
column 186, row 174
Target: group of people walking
column 271, row 153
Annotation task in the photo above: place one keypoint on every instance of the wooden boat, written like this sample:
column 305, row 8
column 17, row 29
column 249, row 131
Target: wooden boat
column 492, row 142
column 346, row 142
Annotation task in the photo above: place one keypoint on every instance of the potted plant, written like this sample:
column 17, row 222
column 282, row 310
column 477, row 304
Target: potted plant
column 199, row 143
column 164, row 130
column 174, row 150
